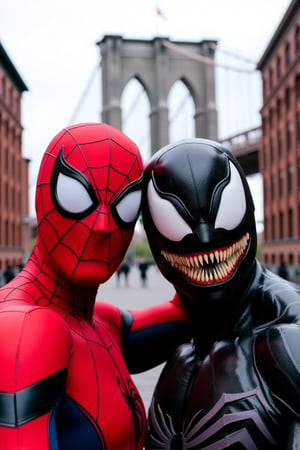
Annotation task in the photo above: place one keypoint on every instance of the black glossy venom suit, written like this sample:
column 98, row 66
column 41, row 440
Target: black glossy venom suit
column 237, row 385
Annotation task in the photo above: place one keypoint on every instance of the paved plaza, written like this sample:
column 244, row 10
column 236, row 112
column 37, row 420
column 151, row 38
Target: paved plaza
column 135, row 296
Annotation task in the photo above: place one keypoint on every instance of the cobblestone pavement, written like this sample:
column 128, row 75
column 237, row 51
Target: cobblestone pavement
column 135, row 296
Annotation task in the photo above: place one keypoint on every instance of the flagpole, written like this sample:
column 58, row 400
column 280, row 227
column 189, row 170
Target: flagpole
column 156, row 20
column 159, row 15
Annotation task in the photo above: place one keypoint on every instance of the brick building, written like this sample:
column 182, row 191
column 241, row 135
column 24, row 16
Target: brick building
column 280, row 145
column 14, row 226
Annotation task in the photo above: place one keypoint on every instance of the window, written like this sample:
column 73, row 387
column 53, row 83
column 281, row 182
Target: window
column 281, row 179
column 272, row 150
column 297, row 82
column 19, row 240
column 297, row 39
column 6, row 237
column 287, row 98
column 265, row 156
column 264, row 89
column 6, row 128
column 291, row 223
column 264, row 125
column 290, row 178
column 273, row 227
column 278, row 65
column 271, row 79
column 265, row 191
column 273, row 187
column 289, row 133
column 271, row 118
column 13, row 205
column 13, row 232
column 12, row 165
column 278, row 108
column 17, row 106
column 3, row 88
column 298, row 128
column 11, row 98
column 266, row 228
column 287, row 55
column 279, row 143
column 281, row 225
column 6, row 160
column 6, row 200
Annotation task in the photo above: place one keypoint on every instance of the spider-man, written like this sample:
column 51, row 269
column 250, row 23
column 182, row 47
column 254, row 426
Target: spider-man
column 65, row 359
column 237, row 385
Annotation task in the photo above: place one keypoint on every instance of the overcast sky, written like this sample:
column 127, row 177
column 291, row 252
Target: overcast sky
column 53, row 46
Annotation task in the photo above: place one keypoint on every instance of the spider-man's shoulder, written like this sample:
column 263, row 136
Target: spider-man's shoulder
column 105, row 311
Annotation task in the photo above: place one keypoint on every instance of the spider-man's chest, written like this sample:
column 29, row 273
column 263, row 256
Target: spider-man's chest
column 99, row 382
column 216, row 403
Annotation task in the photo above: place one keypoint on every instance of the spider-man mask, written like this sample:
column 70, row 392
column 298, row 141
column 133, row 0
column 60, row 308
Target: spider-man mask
column 198, row 214
column 88, row 200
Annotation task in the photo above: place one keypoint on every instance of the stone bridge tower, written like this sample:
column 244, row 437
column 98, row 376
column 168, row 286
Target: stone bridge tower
column 157, row 64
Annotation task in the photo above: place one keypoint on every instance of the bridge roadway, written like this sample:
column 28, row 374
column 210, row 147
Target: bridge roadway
column 137, row 297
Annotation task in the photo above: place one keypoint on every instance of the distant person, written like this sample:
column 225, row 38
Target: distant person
column 125, row 269
column 143, row 268
column 282, row 270
column 8, row 274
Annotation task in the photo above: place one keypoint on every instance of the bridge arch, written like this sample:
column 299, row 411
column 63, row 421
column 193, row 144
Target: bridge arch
column 135, row 105
column 181, row 105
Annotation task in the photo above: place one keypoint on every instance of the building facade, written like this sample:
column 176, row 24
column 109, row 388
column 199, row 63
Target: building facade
column 279, row 159
column 14, row 203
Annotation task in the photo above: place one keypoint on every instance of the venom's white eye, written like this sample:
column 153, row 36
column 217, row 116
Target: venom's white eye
column 128, row 207
column 71, row 195
column 165, row 217
column 232, row 204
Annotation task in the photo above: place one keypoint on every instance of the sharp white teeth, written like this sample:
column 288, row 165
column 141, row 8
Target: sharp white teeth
column 217, row 256
column 209, row 267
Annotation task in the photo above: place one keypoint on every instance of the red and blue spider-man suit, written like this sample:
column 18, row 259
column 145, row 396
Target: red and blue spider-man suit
column 65, row 360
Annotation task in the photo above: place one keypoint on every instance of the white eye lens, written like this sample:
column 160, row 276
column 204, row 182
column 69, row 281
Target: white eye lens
column 165, row 217
column 71, row 195
column 128, row 208
column 233, row 203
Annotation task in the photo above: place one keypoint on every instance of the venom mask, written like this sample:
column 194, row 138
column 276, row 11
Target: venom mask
column 198, row 214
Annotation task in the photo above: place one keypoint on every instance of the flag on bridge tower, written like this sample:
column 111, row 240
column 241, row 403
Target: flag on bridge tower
column 159, row 13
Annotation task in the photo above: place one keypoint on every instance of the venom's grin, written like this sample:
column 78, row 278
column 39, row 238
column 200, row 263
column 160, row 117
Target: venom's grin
column 211, row 267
